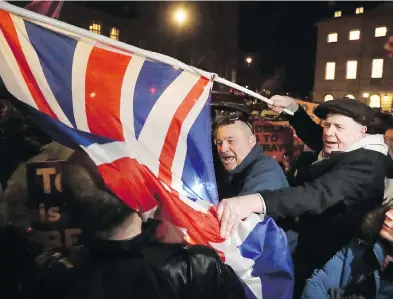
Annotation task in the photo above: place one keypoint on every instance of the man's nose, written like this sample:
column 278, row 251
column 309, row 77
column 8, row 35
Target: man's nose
column 224, row 146
column 330, row 131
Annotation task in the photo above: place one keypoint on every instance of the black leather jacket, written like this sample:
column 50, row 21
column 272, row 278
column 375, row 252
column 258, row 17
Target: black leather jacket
column 138, row 268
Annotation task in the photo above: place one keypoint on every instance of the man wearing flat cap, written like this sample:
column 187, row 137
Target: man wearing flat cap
column 330, row 196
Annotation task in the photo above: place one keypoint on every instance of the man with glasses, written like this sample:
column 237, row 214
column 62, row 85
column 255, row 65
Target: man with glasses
column 247, row 169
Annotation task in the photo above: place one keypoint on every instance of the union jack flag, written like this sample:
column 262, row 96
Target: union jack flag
column 146, row 125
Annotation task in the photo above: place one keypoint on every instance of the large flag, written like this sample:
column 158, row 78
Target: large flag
column 146, row 125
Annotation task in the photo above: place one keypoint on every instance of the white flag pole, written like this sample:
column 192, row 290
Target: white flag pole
column 35, row 17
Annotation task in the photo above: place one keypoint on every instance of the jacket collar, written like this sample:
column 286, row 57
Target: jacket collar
column 129, row 246
column 252, row 156
column 370, row 142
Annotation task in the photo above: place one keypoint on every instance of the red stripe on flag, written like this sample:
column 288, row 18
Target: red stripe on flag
column 173, row 135
column 131, row 182
column 202, row 228
column 104, row 78
column 9, row 31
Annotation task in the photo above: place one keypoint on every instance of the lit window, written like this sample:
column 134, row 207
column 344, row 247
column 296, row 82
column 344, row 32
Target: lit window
column 380, row 31
column 332, row 37
column 114, row 34
column 377, row 68
column 95, row 27
column 330, row 70
column 350, row 96
column 386, row 103
column 359, row 10
column 337, row 13
column 328, row 97
column 375, row 101
column 351, row 69
column 354, row 34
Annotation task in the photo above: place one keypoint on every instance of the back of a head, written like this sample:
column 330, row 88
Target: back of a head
column 94, row 208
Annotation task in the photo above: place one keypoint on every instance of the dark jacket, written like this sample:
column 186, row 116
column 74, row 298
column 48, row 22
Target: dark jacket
column 144, row 268
column 256, row 172
column 330, row 197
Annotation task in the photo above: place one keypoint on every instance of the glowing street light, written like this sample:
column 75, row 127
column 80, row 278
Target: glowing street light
column 249, row 60
column 366, row 95
column 180, row 16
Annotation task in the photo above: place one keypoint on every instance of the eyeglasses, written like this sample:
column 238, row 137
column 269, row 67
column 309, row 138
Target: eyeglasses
column 231, row 117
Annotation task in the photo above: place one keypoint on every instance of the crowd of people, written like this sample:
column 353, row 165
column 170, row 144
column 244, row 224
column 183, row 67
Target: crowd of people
column 334, row 206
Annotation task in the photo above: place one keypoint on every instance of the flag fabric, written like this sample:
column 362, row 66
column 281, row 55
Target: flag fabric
column 146, row 125
column 47, row 8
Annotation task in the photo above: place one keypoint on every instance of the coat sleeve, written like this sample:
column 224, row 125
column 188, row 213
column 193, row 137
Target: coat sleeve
column 307, row 130
column 266, row 175
column 357, row 176
column 329, row 277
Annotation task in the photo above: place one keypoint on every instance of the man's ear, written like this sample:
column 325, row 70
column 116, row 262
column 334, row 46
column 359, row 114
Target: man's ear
column 253, row 139
column 363, row 131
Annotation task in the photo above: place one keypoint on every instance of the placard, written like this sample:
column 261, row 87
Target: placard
column 51, row 225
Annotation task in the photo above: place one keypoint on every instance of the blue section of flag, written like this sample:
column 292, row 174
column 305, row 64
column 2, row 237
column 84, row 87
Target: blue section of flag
column 267, row 246
column 63, row 134
column 56, row 54
column 198, row 173
column 154, row 78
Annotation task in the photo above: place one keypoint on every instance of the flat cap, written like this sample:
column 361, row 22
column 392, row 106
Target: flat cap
column 354, row 109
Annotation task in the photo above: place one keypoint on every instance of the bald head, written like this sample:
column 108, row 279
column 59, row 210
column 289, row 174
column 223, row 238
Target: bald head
column 234, row 142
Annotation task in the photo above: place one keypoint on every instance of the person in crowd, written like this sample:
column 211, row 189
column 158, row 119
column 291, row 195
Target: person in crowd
column 122, row 258
column 389, row 141
column 331, row 195
column 364, row 268
column 247, row 169
column 19, row 139
column 18, row 250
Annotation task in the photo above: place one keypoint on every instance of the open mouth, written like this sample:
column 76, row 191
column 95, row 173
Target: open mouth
column 228, row 159
column 330, row 143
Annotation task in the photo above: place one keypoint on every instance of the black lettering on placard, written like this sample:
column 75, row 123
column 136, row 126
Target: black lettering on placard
column 268, row 128
column 275, row 147
column 274, row 138
column 258, row 129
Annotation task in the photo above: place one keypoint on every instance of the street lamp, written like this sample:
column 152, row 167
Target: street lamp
column 180, row 16
column 248, row 60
